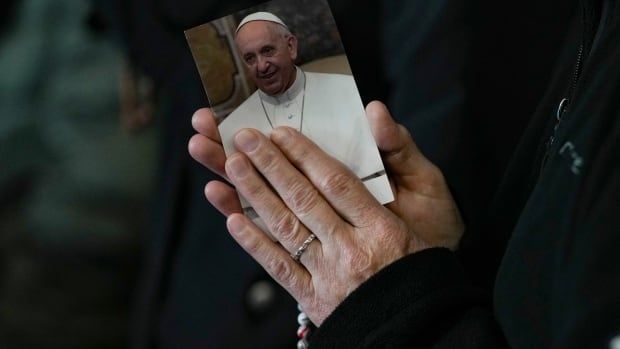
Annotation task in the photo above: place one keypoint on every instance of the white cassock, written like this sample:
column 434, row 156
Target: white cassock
column 327, row 109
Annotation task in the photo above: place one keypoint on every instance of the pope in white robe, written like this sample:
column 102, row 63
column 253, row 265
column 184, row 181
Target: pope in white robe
column 326, row 108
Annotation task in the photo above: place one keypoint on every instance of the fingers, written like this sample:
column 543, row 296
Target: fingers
column 340, row 187
column 282, row 223
column 208, row 153
column 204, row 123
column 223, row 197
column 277, row 262
column 206, row 146
column 400, row 155
column 300, row 196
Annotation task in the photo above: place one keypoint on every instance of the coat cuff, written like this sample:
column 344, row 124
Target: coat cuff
column 399, row 292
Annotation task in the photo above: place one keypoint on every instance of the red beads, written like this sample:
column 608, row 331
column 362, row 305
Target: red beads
column 303, row 331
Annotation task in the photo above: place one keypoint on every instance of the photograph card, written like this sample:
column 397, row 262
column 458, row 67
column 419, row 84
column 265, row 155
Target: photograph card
column 282, row 63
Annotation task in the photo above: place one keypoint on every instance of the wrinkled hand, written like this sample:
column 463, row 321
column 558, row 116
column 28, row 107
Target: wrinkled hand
column 308, row 191
column 422, row 197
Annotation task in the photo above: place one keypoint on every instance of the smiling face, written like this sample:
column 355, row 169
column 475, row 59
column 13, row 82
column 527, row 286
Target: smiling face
column 269, row 53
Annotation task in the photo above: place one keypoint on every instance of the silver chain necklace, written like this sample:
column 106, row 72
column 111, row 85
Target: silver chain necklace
column 303, row 101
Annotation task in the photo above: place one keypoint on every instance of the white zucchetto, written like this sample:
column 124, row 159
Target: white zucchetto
column 260, row 16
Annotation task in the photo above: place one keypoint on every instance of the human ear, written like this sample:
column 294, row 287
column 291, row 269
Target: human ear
column 291, row 43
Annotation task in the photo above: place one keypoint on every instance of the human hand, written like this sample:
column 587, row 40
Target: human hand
column 206, row 148
column 422, row 198
column 357, row 237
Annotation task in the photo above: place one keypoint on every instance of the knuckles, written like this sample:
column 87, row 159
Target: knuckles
column 286, row 227
column 337, row 184
column 254, row 189
column 360, row 262
column 391, row 232
column 282, row 271
column 390, row 241
column 303, row 199
column 267, row 161
column 436, row 175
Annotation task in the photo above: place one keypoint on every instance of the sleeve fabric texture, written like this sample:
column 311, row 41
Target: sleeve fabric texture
column 422, row 300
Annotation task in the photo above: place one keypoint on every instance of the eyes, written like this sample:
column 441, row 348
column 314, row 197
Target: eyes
column 268, row 51
column 265, row 51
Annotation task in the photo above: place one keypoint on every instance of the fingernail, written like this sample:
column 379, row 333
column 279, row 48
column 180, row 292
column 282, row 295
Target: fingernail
column 238, row 167
column 235, row 225
column 246, row 141
column 281, row 135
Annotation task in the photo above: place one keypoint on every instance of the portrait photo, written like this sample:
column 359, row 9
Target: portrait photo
column 283, row 63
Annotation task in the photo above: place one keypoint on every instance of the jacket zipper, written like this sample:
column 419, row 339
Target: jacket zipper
column 563, row 106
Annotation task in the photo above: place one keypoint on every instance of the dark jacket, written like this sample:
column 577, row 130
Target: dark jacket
column 552, row 233
column 197, row 284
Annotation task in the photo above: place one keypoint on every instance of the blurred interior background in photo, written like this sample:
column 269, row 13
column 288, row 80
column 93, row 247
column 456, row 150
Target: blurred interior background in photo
column 222, row 71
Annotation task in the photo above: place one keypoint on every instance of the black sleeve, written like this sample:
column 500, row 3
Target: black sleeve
column 587, row 291
column 422, row 301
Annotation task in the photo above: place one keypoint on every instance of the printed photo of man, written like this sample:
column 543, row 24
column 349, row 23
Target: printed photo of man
column 326, row 108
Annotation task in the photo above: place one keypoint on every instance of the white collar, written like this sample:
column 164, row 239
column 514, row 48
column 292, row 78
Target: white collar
column 291, row 93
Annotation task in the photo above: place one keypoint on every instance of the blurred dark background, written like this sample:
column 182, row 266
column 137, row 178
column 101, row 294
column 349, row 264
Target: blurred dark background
column 75, row 181
column 106, row 240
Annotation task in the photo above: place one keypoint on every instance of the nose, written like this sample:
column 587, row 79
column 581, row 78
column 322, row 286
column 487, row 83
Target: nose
column 263, row 64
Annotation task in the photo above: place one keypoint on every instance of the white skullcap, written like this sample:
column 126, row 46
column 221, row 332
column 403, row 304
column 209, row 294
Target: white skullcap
column 260, row 16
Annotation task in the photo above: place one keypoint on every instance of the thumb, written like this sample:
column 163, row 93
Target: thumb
column 400, row 154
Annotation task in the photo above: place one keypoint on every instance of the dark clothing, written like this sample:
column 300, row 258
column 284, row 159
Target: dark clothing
column 197, row 285
column 465, row 78
column 552, row 233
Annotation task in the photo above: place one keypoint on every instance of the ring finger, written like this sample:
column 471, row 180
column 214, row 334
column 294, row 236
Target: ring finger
column 298, row 194
column 282, row 223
